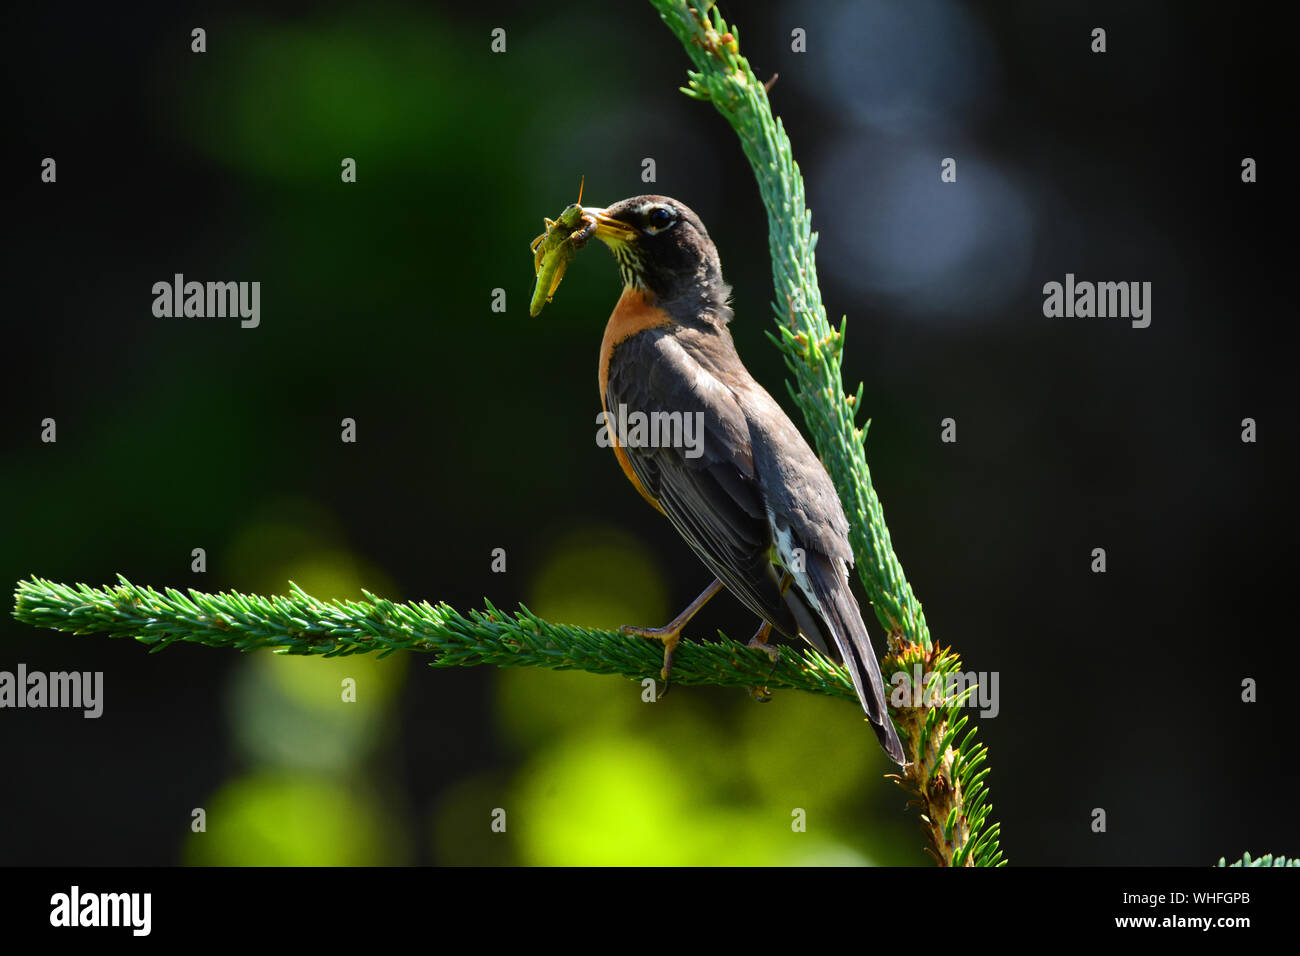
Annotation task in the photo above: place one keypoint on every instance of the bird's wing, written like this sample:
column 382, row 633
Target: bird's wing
column 707, row 487
column 805, row 514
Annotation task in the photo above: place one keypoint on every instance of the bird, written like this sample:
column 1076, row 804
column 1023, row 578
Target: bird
column 751, row 490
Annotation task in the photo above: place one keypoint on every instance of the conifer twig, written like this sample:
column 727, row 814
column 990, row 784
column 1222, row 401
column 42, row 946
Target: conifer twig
column 301, row 624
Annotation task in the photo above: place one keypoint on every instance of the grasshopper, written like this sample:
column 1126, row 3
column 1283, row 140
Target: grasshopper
column 554, row 249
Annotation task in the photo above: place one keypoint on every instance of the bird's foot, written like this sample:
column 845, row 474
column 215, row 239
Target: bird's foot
column 670, row 635
column 771, row 650
column 759, row 642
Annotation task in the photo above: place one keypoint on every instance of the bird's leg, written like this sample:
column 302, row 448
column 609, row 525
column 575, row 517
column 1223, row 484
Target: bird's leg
column 671, row 633
column 759, row 642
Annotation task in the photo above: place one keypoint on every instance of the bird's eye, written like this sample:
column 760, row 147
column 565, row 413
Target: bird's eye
column 661, row 217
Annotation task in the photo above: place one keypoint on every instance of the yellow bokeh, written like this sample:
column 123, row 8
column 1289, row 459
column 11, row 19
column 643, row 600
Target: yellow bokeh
column 286, row 819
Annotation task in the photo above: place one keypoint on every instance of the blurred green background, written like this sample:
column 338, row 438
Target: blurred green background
column 476, row 428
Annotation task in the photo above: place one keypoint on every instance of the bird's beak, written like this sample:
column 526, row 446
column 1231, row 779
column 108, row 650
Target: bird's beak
column 609, row 230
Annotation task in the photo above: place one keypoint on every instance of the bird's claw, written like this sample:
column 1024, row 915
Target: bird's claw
column 771, row 650
column 671, row 638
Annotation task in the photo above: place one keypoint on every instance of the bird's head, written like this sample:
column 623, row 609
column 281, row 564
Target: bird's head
column 662, row 248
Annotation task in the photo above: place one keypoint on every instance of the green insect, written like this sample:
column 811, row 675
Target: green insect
column 554, row 249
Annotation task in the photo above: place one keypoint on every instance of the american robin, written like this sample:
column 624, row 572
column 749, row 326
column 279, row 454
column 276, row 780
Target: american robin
column 750, row 488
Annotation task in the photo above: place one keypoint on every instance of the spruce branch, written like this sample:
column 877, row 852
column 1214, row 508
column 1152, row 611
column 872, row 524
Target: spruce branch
column 945, row 774
column 298, row 623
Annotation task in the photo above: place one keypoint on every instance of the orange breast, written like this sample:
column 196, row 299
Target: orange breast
column 634, row 313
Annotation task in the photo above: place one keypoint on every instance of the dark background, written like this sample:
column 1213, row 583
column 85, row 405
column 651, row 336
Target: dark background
column 1118, row 691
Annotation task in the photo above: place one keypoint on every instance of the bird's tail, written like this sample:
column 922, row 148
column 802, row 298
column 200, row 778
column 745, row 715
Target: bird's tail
column 848, row 633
